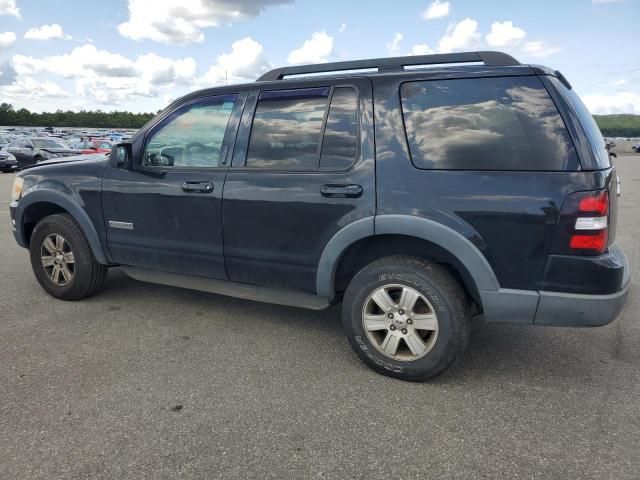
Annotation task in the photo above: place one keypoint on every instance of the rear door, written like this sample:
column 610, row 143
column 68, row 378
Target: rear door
column 303, row 168
column 164, row 211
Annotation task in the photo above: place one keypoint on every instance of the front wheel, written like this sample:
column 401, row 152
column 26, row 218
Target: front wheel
column 406, row 317
column 62, row 260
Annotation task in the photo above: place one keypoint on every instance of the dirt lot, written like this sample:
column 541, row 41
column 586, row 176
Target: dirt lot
column 145, row 381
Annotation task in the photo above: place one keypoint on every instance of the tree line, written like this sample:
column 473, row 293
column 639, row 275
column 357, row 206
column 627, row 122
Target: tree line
column 92, row 119
column 623, row 125
column 610, row 125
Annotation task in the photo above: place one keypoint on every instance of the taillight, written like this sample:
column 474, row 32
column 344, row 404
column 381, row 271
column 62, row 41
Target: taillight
column 590, row 242
column 583, row 225
column 595, row 202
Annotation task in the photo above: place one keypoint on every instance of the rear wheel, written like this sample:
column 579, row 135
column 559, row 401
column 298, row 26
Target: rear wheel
column 62, row 260
column 406, row 317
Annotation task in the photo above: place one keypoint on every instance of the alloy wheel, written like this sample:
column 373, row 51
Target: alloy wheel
column 57, row 259
column 400, row 322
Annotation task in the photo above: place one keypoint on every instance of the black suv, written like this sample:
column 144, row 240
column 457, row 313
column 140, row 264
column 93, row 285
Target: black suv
column 419, row 197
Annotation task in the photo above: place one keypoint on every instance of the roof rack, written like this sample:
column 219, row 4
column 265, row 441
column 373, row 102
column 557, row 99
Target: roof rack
column 393, row 63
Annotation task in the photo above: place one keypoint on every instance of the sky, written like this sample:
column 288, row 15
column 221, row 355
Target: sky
column 138, row 55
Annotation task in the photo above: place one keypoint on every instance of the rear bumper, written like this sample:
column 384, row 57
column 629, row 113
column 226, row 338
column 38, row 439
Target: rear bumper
column 567, row 308
column 577, row 310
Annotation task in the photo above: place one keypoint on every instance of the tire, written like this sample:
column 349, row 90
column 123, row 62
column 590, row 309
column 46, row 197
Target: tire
column 439, row 317
column 87, row 275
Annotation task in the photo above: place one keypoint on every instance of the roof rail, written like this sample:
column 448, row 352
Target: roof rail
column 393, row 63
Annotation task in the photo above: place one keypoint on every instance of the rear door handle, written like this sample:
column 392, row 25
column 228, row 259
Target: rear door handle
column 200, row 187
column 341, row 191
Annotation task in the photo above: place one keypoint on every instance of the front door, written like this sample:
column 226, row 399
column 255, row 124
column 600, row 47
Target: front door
column 163, row 210
column 303, row 169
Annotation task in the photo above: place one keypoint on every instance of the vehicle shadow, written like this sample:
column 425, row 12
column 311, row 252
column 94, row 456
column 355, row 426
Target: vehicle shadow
column 496, row 352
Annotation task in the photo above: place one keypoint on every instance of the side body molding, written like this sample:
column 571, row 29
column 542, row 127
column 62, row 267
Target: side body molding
column 333, row 251
column 68, row 204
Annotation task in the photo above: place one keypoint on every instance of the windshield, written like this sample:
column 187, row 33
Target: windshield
column 47, row 143
column 3, row 140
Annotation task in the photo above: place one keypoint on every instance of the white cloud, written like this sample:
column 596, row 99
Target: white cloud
column 7, row 39
column 436, row 9
column 539, row 49
column 7, row 73
column 421, row 49
column 460, row 36
column 620, row 82
column 105, row 77
column 342, row 28
column 89, row 61
column 8, row 7
column 29, row 88
column 314, row 50
column 245, row 62
column 393, row 47
column 621, row 102
column 504, row 34
column 46, row 32
column 182, row 22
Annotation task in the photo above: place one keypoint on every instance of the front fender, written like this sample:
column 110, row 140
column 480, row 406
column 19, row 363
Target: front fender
column 66, row 202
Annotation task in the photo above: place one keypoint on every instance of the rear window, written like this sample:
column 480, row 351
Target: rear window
column 502, row 123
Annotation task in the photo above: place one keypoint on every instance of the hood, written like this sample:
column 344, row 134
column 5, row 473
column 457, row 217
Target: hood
column 61, row 151
column 75, row 158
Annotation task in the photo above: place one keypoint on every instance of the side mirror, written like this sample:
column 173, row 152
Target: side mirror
column 123, row 153
column 29, row 146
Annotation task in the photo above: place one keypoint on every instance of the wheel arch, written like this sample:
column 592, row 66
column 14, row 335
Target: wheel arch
column 391, row 234
column 41, row 203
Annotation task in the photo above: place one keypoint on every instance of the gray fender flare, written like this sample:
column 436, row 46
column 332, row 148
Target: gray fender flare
column 67, row 203
column 445, row 237
column 333, row 251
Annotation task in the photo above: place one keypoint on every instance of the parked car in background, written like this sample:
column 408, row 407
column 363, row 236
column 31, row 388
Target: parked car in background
column 93, row 146
column 8, row 162
column 636, row 148
column 29, row 151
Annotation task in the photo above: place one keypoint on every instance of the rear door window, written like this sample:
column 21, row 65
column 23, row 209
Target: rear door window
column 287, row 129
column 501, row 123
column 340, row 144
column 302, row 130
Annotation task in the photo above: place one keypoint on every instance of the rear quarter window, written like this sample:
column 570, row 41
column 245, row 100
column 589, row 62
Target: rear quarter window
column 586, row 120
column 499, row 123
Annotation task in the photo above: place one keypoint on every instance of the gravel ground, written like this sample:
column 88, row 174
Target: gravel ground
column 145, row 381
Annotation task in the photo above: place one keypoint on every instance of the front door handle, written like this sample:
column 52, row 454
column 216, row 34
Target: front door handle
column 200, row 187
column 341, row 191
